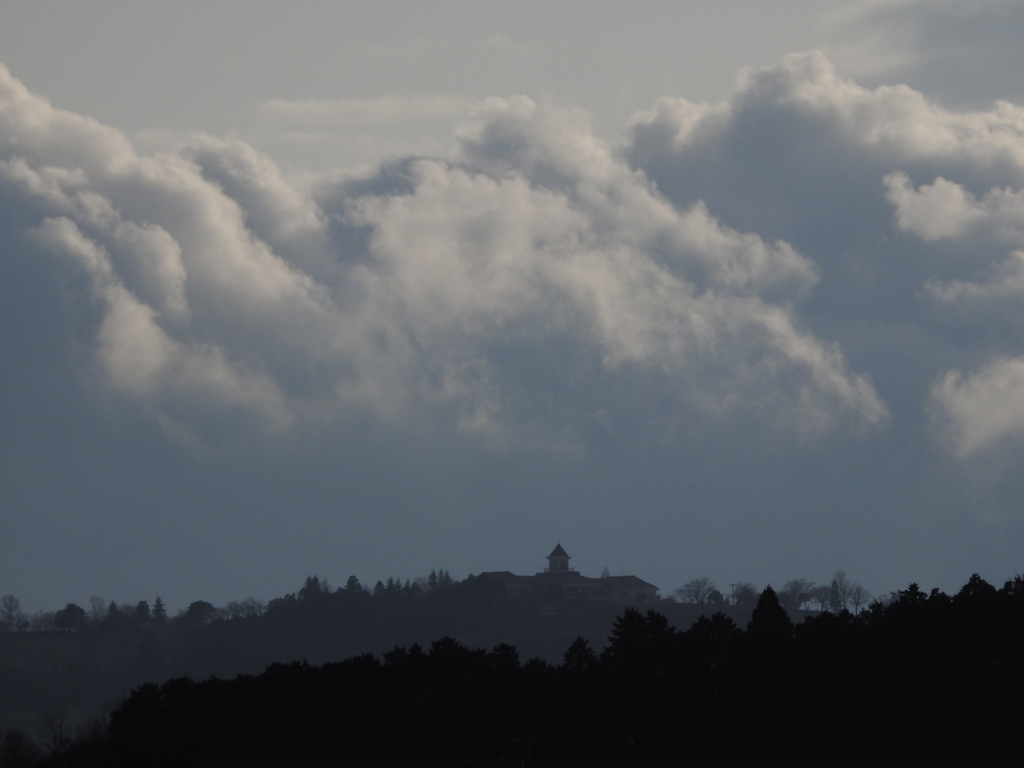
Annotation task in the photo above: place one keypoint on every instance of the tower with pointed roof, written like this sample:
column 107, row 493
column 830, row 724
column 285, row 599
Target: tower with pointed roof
column 558, row 560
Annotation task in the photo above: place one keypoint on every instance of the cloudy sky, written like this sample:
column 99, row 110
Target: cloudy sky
column 712, row 289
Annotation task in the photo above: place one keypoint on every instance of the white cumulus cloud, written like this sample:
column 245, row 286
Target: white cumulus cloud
column 907, row 207
column 523, row 290
column 980, row 410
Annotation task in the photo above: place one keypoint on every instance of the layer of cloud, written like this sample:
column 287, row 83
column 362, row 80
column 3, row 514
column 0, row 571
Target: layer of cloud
column 536, row 284
column 981, row 409
column 525, row 290
column 908, row 208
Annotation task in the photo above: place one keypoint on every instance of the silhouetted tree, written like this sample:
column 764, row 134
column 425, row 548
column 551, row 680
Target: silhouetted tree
column 579, row 657
column 769, row 622
column 858, row 596
column 69, row 618
column 635, row 638
column 821, row 596
column 504, row 657
column 977, row 590
column 200, row 613
column 12, row 618
column 744, row 593
column 696, row 591
column 312, row 589
column 839, row 595
column 718, row 631
column 116, row 618
column 796, row 593
column 142, row 613
column 97, row 610
column 159, row 612
column 248, row 608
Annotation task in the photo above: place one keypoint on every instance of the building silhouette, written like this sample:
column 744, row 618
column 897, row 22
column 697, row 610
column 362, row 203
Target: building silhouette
column 559, row 583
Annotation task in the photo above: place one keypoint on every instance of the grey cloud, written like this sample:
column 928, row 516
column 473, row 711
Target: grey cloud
column 511, row 292
column 980, row 409
column 802, row 154
column 152, row 229
column 138, row 358
column 469, row 261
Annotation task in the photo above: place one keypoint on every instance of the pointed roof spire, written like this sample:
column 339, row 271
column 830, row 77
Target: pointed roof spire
column 558, row 552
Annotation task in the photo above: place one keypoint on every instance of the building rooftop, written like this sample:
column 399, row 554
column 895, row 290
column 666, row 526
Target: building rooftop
column 558, row 552
column 572, row 585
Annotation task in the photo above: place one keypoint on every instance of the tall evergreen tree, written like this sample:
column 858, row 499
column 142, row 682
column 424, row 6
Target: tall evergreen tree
column 159, row 612
column 769, row 622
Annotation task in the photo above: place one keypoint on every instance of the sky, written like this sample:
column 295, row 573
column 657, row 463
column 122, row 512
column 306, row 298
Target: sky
column 725, row 289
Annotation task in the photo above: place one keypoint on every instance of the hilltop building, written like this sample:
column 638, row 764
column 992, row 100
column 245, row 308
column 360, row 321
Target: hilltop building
column 560, row 583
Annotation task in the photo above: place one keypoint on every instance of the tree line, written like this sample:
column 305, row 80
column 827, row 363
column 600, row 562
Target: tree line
column 797, row 594
column 923, row 676
column 839, row 594
column 82, row 658
column 103, row 615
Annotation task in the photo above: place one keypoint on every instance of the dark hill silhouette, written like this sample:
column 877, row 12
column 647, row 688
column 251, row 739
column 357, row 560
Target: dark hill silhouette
column 924, row 678
column 84, row 667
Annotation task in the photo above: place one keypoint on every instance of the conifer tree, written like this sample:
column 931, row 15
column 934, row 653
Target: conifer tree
column 159, row 612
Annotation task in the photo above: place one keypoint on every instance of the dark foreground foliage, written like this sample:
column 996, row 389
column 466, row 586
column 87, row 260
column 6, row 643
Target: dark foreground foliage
column 85, row 667
column 926, row 677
